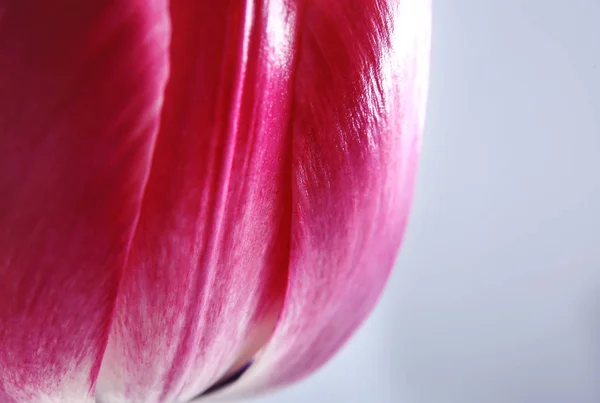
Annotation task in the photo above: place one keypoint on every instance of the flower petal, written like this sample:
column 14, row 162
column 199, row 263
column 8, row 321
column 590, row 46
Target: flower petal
column 360, row 89
column 208, row 265
column 80, row 87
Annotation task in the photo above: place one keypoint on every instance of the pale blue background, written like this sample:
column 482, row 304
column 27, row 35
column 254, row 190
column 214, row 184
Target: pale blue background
column 496, row 297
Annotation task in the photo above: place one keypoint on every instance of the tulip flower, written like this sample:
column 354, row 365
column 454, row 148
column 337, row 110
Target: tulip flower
column 198, row 193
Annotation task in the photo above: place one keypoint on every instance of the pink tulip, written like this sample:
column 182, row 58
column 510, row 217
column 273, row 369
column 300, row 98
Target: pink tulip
column 189, row 186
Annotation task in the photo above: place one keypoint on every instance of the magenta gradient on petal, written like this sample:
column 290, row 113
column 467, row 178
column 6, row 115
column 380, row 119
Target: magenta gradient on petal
column 358, row 111
column 80, row 90
column 208, row 265
column 190, row 185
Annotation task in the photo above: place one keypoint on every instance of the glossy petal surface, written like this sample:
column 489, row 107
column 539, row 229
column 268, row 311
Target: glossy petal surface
column 80, row 90
column 208, row 265
column 359, row 96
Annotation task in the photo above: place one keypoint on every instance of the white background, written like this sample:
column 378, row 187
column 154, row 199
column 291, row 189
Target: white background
column 496, row 297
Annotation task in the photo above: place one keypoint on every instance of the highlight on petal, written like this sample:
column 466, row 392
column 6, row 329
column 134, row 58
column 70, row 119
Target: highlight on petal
column 80, row 89
column 359, row 95
column 207, row 270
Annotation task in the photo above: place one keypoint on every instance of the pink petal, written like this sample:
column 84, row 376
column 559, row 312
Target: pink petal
column 80, row 87
column 359, row 98
column 208, row 265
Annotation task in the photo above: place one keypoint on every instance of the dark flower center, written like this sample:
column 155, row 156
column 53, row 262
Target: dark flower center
column 220, row 384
